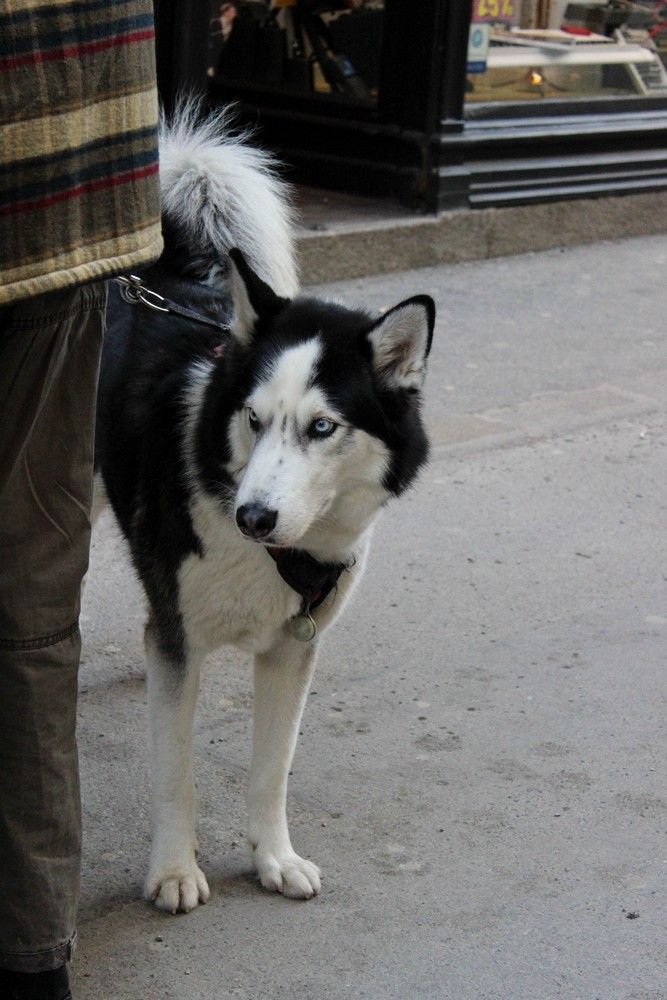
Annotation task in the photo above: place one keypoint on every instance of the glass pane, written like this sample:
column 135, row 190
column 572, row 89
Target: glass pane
column 534, row 50
column 298, row 46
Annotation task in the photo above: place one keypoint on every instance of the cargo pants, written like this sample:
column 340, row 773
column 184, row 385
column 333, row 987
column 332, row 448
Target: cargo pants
column 49, row 360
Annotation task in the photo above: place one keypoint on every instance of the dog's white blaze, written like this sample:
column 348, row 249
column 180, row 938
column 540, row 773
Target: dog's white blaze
column 286, row 471
column 285, row 389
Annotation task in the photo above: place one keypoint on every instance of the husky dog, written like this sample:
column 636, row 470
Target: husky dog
column 245, row 466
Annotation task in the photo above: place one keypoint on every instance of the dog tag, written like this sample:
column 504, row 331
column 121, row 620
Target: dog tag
column 303, row 628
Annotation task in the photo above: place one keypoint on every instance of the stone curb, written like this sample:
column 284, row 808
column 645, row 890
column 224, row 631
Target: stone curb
column 355, row 251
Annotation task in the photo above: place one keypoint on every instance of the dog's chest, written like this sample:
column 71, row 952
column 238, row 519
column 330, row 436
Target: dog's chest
column 234, row 593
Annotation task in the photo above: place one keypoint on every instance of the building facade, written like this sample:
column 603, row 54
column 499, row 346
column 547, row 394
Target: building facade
column 439, row 103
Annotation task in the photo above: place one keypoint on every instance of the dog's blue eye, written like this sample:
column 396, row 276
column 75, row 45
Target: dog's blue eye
column 322, row 428
column 253, row 420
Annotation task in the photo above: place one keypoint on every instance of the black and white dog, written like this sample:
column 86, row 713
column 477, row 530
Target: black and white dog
column 246, row 469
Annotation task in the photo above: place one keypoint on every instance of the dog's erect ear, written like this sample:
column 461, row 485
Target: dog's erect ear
column 251, row 298
column 401, row 340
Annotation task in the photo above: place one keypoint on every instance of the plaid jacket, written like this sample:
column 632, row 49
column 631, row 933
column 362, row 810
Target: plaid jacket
column 79, row 191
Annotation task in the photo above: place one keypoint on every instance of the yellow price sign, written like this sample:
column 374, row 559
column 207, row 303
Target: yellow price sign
column 495, row 11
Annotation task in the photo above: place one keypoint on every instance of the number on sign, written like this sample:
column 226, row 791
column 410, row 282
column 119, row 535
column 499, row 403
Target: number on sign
column 493, row 10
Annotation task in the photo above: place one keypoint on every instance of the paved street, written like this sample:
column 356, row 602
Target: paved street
column 482, row 772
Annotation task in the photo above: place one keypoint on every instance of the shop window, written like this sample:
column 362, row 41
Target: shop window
column 534, row 50
column 302, row 47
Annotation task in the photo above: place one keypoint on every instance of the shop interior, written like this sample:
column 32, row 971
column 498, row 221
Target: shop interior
column 527, row 50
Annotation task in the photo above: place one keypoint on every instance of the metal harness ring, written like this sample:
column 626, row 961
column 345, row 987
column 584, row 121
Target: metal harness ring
column 133, row 291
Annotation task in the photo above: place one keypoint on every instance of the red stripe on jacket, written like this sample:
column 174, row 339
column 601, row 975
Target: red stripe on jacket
column 72, row 51
column 76, row 192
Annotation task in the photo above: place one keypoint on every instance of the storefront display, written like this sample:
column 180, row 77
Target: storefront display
column 439, row 103
column 555, row 49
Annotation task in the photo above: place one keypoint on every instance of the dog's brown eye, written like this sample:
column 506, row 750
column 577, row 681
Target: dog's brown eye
column 322, row 428
column 253, row 420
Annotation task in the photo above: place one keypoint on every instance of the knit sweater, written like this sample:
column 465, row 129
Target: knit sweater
column 79, row 189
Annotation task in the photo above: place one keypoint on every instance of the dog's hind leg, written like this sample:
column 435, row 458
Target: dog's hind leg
column 100, row 502
column 282, row 679
column 100, row 499
column 175, row 881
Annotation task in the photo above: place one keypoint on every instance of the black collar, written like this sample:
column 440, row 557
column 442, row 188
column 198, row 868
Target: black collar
column 313, row 580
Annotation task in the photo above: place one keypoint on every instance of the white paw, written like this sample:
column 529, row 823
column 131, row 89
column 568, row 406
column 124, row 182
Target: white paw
column 177, row 887
column 288, row 873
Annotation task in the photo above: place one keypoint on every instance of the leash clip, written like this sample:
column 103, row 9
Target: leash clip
column 133, row 291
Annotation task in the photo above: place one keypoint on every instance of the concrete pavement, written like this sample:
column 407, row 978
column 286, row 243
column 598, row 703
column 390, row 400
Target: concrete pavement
column 481, row 774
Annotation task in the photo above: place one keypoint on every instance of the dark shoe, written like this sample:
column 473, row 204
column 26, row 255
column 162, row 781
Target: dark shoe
column 51, row 985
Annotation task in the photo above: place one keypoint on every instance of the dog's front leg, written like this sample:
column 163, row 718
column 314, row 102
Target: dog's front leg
column 175, row 881
column 282, row 679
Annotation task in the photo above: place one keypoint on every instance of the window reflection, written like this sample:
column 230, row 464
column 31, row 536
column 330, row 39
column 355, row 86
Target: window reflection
column 298, row 46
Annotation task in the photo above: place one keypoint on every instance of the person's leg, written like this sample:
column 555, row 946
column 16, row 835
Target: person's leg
column 49, row 360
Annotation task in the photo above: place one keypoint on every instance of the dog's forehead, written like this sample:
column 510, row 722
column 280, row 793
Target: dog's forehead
column 287, row 382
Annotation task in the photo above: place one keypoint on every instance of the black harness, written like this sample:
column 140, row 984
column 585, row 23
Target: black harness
column 311, row 579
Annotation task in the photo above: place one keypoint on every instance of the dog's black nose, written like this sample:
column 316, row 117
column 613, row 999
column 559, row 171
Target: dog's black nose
column 255, row 520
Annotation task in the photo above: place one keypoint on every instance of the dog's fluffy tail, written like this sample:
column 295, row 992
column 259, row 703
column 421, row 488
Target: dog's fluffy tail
column 220, row 192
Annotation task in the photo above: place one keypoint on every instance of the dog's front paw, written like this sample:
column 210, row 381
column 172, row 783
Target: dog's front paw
column 288, row 873
column 177, row 887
